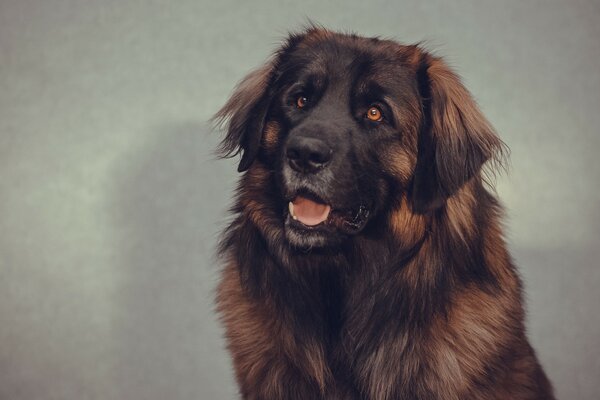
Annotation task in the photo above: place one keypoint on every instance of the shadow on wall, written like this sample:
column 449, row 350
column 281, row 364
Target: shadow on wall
column 169, row 206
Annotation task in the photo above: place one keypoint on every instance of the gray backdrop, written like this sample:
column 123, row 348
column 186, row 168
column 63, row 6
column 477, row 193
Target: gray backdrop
column 111, row 200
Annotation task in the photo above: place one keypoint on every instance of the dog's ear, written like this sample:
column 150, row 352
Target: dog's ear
column 455, row 140
column 245, row 113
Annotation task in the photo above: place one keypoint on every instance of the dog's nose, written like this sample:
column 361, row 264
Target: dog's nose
column 307, row 155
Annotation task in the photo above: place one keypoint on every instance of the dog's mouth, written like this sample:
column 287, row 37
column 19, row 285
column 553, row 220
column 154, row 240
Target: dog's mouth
column 309, row 212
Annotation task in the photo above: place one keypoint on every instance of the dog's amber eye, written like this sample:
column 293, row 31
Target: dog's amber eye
column 301, row 101
column 374, row 114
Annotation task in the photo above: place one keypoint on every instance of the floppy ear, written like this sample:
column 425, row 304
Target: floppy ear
column 245, row 113
column 455, row 139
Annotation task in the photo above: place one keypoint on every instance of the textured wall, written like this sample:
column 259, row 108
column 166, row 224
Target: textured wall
column 110, row 199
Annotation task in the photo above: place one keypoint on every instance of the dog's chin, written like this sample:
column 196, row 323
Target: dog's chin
column 331, row 232
column 313, row 220
column 303, row 237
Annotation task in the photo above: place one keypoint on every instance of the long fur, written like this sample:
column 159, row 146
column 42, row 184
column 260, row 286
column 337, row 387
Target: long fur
column 425, row 303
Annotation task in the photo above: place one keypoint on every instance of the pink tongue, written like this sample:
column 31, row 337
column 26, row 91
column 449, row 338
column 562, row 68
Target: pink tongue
column 309, row 212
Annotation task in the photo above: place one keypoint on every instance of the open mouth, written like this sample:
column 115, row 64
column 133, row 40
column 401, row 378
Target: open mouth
column 308, row 212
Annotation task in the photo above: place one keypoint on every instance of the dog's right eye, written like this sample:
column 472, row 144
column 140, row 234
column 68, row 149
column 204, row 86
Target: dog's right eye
column 301, row 101
column 374, row 114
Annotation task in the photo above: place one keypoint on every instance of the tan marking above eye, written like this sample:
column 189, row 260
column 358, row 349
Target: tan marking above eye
column 301, row 101
column 374, row 114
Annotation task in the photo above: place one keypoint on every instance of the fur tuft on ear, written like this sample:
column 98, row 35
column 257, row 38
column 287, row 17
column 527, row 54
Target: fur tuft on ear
column 246, row 111
column 456, row 140
column 244, row 114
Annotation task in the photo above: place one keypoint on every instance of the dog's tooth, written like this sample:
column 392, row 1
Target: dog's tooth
column 291, row 208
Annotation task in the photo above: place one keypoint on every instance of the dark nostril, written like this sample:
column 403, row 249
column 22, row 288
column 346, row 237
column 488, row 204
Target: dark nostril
column 319, row 157
column 293, row 154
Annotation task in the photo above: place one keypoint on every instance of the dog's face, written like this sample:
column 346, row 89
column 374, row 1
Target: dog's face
column 348, row 125
column 341, row 106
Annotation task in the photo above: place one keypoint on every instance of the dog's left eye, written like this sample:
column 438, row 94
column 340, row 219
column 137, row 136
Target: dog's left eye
column 374, row 113
column 301, row 101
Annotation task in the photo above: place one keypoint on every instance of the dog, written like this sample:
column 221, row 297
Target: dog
column 365, row 258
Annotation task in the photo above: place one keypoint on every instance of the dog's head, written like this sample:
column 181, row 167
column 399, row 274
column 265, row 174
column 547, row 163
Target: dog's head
column 347, row 125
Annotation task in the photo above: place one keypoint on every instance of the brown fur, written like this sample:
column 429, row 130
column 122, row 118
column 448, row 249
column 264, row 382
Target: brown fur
column 424, row 304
